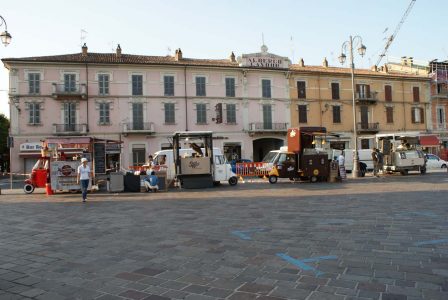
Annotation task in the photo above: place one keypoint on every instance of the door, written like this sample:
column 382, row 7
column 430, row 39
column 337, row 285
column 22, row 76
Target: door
column 137, row 116
column 286, row 165
column 70, row 116
column 364, row 117
column 220, row 168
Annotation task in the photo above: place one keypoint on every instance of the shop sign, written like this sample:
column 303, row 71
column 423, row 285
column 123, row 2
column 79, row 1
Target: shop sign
column 30, row 147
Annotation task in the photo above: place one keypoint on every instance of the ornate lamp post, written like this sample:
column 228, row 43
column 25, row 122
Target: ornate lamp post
column 353, row 42
column 5, row 36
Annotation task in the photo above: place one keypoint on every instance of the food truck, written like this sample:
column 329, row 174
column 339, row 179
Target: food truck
column 402, row 152
column 300, row 159
column 199, row 166
column 60, row 158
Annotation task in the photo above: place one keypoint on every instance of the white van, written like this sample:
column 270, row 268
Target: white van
column 222, row 169
column 365, row 156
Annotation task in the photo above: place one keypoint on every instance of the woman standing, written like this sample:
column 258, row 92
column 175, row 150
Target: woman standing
column 84, row 176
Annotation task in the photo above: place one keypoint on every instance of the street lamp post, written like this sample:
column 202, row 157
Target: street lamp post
column 353, row 42
column 5, row 36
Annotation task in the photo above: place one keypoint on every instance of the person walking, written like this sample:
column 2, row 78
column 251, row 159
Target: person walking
column 84, row 176
column 375, row 162
column 341, row 165
column 380, row 160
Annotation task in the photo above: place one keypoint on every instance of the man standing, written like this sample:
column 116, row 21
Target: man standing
column 341, row 164
column 84, row 176
column 380, row 160
column 375, row 162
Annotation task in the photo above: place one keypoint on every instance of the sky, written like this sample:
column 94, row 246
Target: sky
column 308, row 29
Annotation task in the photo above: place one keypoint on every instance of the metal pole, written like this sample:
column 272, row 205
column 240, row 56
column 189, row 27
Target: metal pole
column 355, row 170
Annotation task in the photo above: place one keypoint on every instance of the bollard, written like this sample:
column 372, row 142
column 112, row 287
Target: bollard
column 48, row 189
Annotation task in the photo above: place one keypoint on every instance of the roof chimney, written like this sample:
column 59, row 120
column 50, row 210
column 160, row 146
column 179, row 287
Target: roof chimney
column 84, row 50
column 374, row 68
column 301, row 63
column 404, row 60
column 118, row 50
column 325, row 62
column 232, row 57
column 178, row 55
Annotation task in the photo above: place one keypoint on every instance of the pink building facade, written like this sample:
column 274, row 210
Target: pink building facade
column 143, row 100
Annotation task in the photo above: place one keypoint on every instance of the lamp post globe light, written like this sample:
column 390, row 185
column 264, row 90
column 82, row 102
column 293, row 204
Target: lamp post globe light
column 5, row 36
column 354, row 41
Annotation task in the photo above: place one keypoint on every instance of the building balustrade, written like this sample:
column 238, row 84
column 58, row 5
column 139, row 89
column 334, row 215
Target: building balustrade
column 69, row 129
column 268, row 127
column 72, row 91
column 138, row 127
column 368, row 127
column 366, row 98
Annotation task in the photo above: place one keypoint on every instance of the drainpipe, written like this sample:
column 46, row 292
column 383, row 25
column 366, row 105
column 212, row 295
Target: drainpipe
column 87, row 97
column 186, row 102
column 404, row 105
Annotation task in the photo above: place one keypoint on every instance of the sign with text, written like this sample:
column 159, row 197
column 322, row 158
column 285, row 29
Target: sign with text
column 264, row 60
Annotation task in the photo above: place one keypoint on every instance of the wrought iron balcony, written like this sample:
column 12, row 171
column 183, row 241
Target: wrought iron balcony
column 138, row 127
column 69, row 129
column 368, row 127
column 442, row 93
column 268, row 127
column 366, row 98
column 69, row 91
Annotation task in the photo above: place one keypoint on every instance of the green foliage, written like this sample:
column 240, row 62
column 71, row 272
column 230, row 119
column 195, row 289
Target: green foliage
column 4, row 132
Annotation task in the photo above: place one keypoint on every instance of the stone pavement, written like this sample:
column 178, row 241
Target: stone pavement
column 368, row 238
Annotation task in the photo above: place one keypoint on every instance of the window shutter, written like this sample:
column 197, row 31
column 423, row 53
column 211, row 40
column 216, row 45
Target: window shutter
column 301, row 89
column 388, row 93
column 413, row 115
column 358, row 88
column 335, row 91
column 389, row 115
column 422, row 115
column 368, row 91
column 336, row 114
column 302, row 114
column 416, row 92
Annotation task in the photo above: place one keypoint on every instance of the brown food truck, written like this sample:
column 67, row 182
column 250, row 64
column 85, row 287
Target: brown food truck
column 300, row 160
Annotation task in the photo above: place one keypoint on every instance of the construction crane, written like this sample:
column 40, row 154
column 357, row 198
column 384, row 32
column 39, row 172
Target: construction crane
column 394, row 35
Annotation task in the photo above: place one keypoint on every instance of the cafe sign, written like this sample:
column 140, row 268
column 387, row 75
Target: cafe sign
column 30, row 147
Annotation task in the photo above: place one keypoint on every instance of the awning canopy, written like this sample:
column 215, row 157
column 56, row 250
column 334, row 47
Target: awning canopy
column 429, row 141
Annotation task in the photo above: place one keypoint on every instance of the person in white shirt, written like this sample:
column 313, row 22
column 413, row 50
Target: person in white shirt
column 84, row 176
column 341, row 163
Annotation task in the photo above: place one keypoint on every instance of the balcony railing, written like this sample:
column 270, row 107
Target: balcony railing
column 138, row 127
column 69, row 129
column 69, row 91
column 268, row 127
column 368, row 127
column 366, row 98
column 443, row 93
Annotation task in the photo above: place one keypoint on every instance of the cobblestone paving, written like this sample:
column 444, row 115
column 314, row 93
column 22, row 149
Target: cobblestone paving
column 368, row 238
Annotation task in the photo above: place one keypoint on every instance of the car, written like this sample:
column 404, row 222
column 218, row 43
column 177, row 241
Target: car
column 435, row 162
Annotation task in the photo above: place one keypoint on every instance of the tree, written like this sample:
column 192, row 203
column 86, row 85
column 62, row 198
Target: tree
column 4, row 132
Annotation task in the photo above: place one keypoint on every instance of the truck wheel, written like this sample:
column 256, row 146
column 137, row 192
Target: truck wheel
column 233, row 180
column 404, row 172
column 443, row 166
column 313, row 179
column 423, row 170
column 272, row 179
column 216, row 183
column 28, row 188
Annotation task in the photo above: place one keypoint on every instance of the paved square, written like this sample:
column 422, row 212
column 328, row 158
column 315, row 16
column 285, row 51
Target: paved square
column 368, row 238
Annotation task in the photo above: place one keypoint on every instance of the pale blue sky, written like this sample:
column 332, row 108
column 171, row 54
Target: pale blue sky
column 212, row 29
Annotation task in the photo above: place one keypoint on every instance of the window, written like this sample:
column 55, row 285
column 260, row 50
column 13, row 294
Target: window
column 168, row 83
column 335, row 91
column 231, row 113
column 169, row 113
column 301, row 89
column 69, row 83
column 388, row 93
column 303, row 114
column 104, row 113
column 441, row 116
column 230, row 87
column 267, row 116
column 103, row 84
column 137, row 116
column 34, row 116
column 365, row 144
column 201, row 113
column 336, row 114
column 70, row 116
column 266, row 88
column 416, row 93
column 138, row 155
column 34, row 83
column 417, row 115
column 389, row 114
column 200, row 86
column 363, row 91
column 137, row 85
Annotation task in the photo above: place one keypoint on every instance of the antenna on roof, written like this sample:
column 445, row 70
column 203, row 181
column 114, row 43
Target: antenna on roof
column 168, row 50
column 82, row 37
